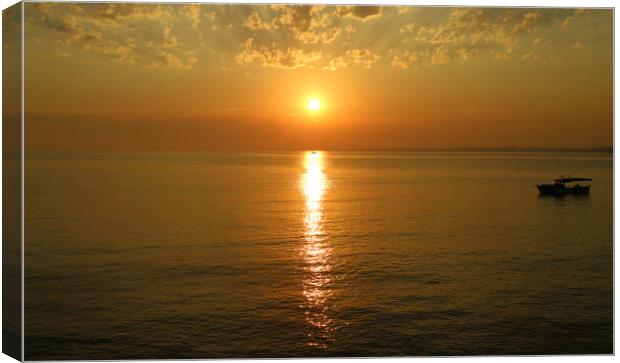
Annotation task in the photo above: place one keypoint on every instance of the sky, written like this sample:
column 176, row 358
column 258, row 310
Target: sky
column 105, row 76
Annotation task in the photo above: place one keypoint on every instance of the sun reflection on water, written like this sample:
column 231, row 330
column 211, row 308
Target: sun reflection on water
column 316, row 253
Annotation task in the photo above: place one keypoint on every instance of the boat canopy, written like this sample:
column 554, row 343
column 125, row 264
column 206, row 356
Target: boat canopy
column 571, row 180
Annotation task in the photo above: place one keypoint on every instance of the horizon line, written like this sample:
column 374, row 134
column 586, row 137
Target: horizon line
column 599, row 149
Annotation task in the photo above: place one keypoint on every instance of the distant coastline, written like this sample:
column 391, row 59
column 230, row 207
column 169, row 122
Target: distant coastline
column 604, row 149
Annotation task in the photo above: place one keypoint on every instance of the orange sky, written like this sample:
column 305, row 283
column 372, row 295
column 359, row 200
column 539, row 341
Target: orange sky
column 191, row 77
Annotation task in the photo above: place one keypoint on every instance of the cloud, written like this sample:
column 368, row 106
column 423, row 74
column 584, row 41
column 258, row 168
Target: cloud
column 289, row 58
column 193, row 11
column 408, row 28
column 170, row 41
column 119, row 14
column 326, row 36
column 365, row 12
column 469, row 33
column 530, row 56
column 295, row 36
column 476, row 26
column 467, row 54
column 255, row 22
column 441, row 55
column 572, row 17
column 310, row 27
column 308, row 24
column 402, row 61
column 129, row 33
column 361, row 11
column 363, row 58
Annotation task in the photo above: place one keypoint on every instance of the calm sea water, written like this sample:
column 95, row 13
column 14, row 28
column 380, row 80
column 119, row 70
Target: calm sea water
column 315, row 254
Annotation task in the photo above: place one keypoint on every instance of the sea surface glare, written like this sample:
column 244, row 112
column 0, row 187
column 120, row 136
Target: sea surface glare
column 309, row 254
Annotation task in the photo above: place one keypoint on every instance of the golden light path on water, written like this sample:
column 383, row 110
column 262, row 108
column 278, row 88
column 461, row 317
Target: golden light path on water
column 316, row 253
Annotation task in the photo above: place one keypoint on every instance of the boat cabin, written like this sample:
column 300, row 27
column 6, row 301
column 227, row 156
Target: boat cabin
column 562, row 186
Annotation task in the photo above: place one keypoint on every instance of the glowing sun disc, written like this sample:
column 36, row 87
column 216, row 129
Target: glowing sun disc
column 314, row 104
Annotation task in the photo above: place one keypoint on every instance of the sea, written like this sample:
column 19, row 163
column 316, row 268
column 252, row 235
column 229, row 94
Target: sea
column 315, row 254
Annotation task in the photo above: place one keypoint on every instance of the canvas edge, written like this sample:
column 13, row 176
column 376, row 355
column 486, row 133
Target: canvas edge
column 12, row 182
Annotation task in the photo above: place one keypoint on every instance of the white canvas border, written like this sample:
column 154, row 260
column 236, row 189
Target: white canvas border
column 483, row 3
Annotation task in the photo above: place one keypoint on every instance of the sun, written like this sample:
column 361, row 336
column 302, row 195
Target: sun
column 314, row 104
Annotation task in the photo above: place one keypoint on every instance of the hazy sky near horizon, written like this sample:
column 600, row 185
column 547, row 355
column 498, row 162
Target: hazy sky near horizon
column 199, row 76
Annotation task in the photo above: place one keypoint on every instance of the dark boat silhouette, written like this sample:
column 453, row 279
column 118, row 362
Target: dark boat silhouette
column 563, row 186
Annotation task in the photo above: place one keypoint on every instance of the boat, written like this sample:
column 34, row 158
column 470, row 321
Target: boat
column 563, row 186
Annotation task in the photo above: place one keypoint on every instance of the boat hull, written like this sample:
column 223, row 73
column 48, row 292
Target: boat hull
column 559, row 189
